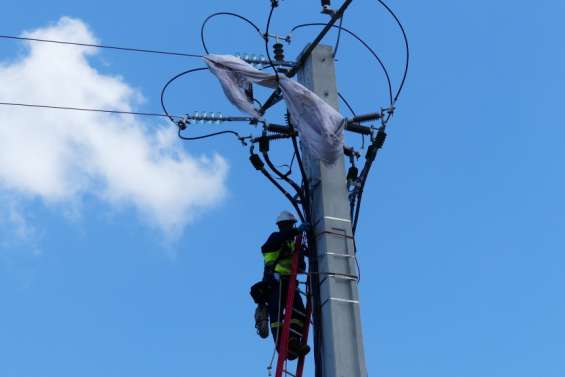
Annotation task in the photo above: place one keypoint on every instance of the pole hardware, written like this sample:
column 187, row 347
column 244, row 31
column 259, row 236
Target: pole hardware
column 357, row 128
column 321, row 192
column 278, row 49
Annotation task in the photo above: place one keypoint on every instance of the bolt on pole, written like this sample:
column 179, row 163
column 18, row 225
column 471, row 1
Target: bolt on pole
column 341, row 340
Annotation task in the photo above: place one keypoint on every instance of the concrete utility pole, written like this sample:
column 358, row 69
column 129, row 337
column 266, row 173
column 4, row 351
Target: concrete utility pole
column 341, row 341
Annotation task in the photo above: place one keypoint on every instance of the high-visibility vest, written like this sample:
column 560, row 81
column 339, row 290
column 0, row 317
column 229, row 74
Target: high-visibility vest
column 283, row 265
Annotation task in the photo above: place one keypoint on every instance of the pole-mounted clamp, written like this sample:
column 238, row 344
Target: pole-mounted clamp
column 183, row 123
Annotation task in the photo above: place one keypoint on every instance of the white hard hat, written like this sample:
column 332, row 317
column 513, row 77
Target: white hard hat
column 285, row 216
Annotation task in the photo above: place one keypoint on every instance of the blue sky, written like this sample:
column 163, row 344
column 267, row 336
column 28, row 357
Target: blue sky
column 461, row 235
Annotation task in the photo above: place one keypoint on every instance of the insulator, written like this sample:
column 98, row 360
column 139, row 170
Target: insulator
column 278, row 48
column 211, row 118
column 274, row 137
column 380, row 139
column 205, row 117
column 352, row 174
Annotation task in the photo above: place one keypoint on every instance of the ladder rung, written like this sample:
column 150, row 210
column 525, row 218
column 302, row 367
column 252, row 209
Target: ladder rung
column 295, row 332
column 287, row 372
column 299, row 312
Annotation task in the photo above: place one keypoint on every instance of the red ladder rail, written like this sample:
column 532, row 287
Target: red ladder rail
column 291, row 292
column 300, row 365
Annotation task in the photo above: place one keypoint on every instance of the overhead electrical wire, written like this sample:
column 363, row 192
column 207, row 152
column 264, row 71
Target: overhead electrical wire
column 290, row 164
column 170, row 81
column 129, row 49
column 342, row 98
column 304, row 193
column 181, row 54
column 338, row 39
column 85, row 109
column 203, row 27
column 280, row 174
column 208, row 135
column 368, row 164
column 406, row 46
column 193, row 138
column 350, row 108
column 369, row 48
column 259, row 165
column 266, row 36
column 363, row 181
column 275, row 96
column 174, row 118
column 393, row 99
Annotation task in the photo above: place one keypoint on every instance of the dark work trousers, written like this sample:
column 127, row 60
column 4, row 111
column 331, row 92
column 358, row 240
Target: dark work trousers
column 277, row 304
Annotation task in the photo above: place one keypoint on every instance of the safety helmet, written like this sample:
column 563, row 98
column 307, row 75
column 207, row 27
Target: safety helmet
column 285, row 216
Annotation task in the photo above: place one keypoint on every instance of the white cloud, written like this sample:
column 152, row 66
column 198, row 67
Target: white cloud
column 16, row 229
column 60, row 156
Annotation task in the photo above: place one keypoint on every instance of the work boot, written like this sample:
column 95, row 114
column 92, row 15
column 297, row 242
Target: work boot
column 297, row 349
column 262, row 321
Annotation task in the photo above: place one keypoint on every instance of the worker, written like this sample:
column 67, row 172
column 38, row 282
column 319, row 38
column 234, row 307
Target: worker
column 277, row 254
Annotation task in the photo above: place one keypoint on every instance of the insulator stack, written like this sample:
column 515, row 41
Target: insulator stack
column 204, row 117
column 287, row 119
column 279, row 51
column 253, row 59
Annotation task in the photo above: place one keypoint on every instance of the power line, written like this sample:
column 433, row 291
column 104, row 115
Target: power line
column 346, row 102
column 89, row 110
column 169, row 82
column 365, row 44
column 273, row 6
column 406, row 46
column 130, row 49
column 179, row 124
column 203, row 26
column 336, row 47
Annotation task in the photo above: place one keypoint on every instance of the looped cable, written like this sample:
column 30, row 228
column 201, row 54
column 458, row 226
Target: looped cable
column 183, row 123
column 203, row 27
column 266, row 36
column 369, row 48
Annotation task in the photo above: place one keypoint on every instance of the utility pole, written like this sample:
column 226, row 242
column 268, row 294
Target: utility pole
column 341, row 340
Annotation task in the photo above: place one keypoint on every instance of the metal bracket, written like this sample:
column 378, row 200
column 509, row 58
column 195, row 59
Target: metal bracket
column 340, row 300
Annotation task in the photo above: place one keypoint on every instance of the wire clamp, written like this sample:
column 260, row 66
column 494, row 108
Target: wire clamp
column 243, row 139
column 183, row 123
column 329, row 11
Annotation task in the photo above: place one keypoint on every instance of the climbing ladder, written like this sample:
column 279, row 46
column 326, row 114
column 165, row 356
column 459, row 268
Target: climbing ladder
column 285, row 334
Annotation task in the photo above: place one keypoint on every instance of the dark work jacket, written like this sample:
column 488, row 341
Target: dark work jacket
column 279, row 241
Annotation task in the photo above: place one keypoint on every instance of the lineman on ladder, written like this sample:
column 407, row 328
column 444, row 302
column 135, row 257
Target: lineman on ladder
column 277, row 254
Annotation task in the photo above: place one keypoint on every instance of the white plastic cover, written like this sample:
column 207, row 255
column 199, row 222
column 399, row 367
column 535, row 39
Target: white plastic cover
column 320, row 126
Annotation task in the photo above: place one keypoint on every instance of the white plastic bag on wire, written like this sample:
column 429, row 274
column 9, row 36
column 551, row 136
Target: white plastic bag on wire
column 320, row 126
